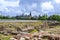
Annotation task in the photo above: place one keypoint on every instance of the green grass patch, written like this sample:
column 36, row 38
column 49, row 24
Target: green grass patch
column 3, row 37
column 33, row 31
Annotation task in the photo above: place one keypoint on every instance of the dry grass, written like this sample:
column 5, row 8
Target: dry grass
column 21, row 24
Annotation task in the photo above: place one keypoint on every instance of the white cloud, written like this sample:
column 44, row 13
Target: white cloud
column 47, row 6
column 35, row 13
column 4, row 4
column 18, row 11
column 57, row 1
column 2, row 8
column 9, row 3
column 32, row 6
column 27, row 13
column 13, row 4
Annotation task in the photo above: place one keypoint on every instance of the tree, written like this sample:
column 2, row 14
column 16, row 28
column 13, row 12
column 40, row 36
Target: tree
column 54, row 17
column 44, row 17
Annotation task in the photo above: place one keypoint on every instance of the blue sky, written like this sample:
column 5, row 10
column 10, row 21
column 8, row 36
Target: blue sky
column 37, row 7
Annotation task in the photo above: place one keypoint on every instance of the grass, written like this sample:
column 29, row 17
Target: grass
column 54, row 30
column 33, row 31
column 19, row 24
column 3, row 37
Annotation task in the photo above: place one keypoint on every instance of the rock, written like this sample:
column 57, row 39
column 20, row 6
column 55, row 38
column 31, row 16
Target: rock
column 22, row 38
column 13, row 39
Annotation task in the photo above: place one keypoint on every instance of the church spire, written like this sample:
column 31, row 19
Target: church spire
column 30, row 14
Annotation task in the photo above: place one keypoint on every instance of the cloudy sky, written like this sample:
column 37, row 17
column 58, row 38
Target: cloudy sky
column 37, row 7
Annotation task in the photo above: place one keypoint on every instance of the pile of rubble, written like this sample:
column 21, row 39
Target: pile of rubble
column 35, row 36
column 28, row 36
column 25, row 37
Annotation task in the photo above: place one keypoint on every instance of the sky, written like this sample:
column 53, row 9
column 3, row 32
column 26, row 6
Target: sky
column 36, row 7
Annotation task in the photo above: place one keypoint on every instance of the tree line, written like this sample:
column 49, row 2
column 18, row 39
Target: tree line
column 29, row 17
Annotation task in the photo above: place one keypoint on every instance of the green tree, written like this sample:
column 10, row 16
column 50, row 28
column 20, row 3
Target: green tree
column 54, row 17
column 44, row 17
